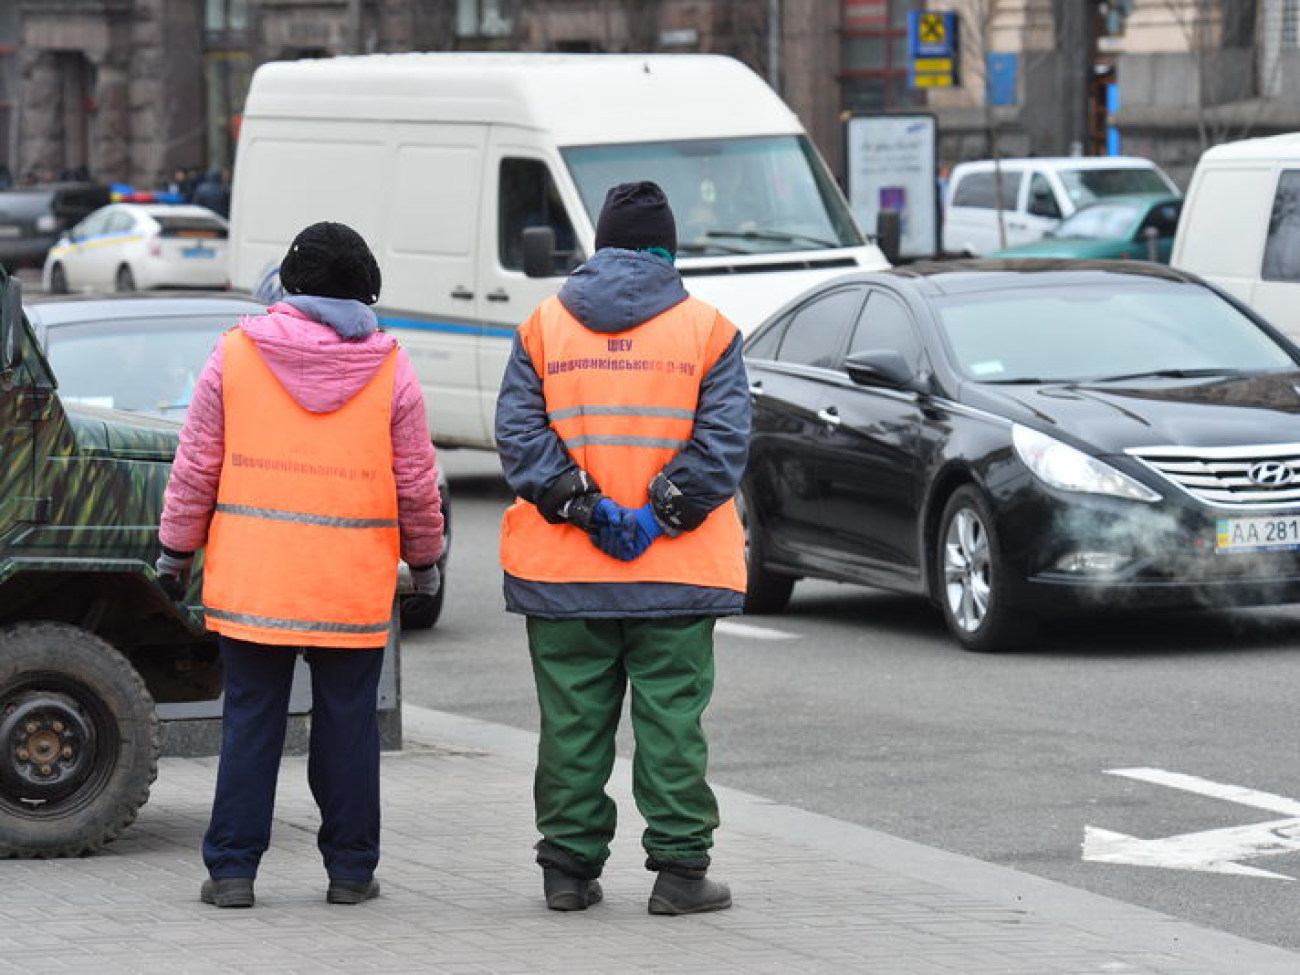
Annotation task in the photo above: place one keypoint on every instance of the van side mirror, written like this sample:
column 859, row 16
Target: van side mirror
column 11, row 324
column 889, row 234
column 879, row 367
column 539, row 252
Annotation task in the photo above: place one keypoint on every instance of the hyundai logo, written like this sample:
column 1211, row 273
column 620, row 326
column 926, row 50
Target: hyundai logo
column 1271, row 473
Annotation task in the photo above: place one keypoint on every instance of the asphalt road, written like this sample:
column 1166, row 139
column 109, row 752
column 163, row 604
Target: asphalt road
column 856, row 704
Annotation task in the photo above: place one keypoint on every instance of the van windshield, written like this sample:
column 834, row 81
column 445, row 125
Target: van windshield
column 730, row 196
column 1086, row 185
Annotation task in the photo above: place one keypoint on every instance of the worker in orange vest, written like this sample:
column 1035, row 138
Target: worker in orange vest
column 305, row 471
column 623, row 426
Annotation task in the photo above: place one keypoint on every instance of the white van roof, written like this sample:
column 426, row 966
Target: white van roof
column 580, row 99
column 1064, row 162
column 1285, row 146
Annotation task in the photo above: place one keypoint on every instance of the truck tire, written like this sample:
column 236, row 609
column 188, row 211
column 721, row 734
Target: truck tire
column 78, row 741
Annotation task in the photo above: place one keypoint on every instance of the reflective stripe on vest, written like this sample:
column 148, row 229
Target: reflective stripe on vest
column 624, row 405
column 303, row 498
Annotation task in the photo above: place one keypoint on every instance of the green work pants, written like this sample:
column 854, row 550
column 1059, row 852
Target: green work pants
column 582, row 668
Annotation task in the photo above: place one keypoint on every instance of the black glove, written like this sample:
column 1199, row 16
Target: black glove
column 590, row 512
column 571, row 497
column 173, row 570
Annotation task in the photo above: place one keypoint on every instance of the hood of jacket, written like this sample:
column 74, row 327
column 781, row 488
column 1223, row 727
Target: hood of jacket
column 315, row 361
column 619, row 289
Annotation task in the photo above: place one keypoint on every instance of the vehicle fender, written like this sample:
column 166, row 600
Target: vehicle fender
column 139, row 571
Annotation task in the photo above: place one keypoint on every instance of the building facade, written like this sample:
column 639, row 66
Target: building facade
column 130, row 90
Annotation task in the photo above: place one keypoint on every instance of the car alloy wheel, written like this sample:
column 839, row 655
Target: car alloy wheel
column 966, row 581
column 970, row 587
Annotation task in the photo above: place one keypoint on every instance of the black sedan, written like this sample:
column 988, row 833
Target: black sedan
column 1016, row 440
column 143, row 353
column 33, row 217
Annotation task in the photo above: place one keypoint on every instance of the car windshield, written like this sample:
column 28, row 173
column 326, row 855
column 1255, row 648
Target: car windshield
column 1102, row 331
column 730, row 196
column 1101, row 221
column 1086, row 185
column 145, row 370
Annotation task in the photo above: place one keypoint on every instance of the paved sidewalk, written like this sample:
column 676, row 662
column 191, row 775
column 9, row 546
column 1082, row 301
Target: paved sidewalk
column 461, row 894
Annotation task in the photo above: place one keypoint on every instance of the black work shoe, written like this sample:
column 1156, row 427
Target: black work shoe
column 227, row 891
column 565, row 892
column 351, row 891
column 677, row 894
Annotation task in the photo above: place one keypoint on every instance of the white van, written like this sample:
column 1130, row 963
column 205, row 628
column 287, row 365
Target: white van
column 442, row 160
column 1037, row 194
column 1240, row 227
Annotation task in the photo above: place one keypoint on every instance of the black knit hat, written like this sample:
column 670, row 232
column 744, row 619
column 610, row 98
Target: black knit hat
column 636, row 216
column 331, row 260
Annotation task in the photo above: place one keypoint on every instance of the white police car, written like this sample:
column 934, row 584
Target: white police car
column 138, row 246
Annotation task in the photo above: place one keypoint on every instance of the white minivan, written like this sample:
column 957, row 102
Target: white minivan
column 1240, row 227
column 1037, row 193
column 443, row 160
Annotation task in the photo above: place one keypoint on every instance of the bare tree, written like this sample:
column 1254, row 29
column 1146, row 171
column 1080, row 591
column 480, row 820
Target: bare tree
column 1211, row 29
column 983, row 18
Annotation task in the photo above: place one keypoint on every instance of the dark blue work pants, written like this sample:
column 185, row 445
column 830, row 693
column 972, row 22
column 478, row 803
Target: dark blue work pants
column 342, row 767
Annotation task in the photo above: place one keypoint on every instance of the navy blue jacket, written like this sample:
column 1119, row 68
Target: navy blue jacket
column 612, row 292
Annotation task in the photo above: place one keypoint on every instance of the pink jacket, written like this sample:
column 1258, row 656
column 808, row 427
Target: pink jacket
column 322, row 371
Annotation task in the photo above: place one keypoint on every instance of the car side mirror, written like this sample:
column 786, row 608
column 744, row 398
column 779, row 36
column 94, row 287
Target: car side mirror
column 880, row 367
column 539, row 252
column 11, row 324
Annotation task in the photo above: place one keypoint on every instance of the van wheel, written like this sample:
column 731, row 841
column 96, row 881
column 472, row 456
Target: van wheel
column 78, row 741
column 125, row 280
column 58, row 280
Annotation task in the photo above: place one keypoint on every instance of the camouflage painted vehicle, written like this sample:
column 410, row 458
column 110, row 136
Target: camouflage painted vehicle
column 89, row 641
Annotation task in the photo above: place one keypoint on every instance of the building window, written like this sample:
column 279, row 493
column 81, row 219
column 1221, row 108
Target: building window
column 875, row 57
column 1290, row 26
column 226, row 15
column 484, row 18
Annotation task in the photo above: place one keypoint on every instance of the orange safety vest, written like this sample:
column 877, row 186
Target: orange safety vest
column 303, row 546
column 624, row 405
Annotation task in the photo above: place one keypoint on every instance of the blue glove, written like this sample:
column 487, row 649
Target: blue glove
column 647, row 528
column 613, row 530
column 626, row 535
column 606, row 514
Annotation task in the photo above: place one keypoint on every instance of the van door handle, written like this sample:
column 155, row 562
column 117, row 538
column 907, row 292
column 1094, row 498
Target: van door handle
column 756, row 388
column 462, row 293
column 829, row 415
column 498, row 295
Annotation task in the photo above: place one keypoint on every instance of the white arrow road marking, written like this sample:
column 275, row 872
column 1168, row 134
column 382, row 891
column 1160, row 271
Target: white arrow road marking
column 1211, row 850
column 1215, row 790
column 753, row 632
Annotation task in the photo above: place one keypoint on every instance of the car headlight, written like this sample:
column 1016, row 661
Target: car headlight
column 47, row 223
column 1063, row 467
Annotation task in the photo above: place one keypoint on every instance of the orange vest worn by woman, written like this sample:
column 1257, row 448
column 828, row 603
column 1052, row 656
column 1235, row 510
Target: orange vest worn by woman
column 303, row 546
column 624, row 404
